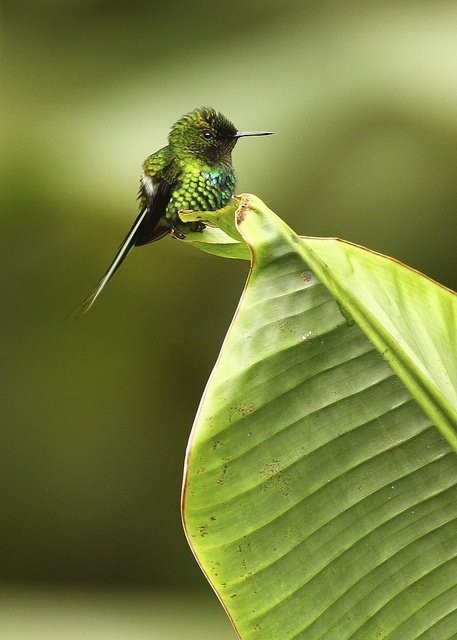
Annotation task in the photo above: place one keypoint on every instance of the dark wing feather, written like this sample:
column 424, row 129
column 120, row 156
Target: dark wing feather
column 154, row 225
column 148, row 226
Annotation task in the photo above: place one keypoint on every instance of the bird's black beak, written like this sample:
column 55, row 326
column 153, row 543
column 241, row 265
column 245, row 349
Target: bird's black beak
column 243, row 134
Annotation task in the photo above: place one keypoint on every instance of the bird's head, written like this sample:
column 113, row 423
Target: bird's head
column 207, row 135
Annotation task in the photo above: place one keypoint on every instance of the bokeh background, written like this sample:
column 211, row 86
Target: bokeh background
column 95, row 414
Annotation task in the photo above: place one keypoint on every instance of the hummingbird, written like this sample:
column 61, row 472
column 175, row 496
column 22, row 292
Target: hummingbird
column 193, row 172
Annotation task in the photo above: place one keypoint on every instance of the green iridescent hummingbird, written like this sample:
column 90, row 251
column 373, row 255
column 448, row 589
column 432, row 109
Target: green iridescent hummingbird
column 193, row 172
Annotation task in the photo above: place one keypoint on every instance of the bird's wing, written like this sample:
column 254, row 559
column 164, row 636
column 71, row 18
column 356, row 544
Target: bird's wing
column 154, row 225
column 147, row 227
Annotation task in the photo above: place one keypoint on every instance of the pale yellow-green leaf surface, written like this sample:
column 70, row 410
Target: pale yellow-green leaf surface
column 319, row 494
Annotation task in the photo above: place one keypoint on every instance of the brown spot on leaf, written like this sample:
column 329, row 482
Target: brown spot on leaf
column 284, row 326
column 242, row 210
column 224, row 469
column 245, row 408
column 275, row 478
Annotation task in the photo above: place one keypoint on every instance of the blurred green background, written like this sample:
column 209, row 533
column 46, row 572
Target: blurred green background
column 96, row 413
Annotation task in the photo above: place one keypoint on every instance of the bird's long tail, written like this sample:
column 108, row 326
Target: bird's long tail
column 127, row 244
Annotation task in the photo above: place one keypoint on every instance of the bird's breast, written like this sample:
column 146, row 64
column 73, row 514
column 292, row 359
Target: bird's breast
column 202, row 189
column 214, row 178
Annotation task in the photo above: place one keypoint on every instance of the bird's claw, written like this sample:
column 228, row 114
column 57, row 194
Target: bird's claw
column 177, row 233
column 197, row 226
column 194, row 226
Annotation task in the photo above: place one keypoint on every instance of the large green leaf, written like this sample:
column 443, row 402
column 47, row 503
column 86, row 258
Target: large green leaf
column 320, row 490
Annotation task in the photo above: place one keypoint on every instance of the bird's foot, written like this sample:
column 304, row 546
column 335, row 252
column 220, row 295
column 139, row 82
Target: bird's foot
column 197, row 226
column 176, row 232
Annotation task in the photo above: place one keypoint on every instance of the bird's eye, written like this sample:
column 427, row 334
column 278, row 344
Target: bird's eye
column 207, row 135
